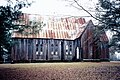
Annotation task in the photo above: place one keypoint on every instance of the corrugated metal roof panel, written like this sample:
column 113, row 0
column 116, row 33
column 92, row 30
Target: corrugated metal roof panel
column 62, row 28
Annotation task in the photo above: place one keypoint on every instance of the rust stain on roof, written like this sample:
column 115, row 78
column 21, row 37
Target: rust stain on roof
column 56, row 28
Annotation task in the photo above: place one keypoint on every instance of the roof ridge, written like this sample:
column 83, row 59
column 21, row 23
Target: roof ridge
column 65, row 28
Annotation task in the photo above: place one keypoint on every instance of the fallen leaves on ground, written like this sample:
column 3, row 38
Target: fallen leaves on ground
column 61, row 71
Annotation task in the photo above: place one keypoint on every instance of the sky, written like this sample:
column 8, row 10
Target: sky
column 61, row 8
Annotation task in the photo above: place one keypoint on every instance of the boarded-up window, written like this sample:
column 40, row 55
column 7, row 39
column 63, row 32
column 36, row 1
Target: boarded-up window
column 70, row 53
column 52, row 53
column 41, row 53
column 56, row 53
column 66, row 47
column 36, row 52
column 66, row 53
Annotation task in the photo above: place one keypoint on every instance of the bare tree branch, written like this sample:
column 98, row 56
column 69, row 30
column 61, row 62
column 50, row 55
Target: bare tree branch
column 87, row 11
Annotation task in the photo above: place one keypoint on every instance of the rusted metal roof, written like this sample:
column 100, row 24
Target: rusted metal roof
column 55, row 28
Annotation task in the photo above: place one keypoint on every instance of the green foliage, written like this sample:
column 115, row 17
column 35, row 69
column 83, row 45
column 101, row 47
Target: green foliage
column 33, row 27
column 8, row 14
column 108, row 11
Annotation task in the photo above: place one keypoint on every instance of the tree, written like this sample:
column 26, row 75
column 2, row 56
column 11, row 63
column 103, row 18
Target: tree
column 8, row 14
column 108, row 17
column 31, row 27
column 98, row 31
column 108, row 12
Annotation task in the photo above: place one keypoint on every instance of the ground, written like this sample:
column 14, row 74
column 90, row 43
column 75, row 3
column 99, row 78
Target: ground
column 61, row 71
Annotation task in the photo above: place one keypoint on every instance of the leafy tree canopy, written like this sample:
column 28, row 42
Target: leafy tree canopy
column 108, row 12
column 8, row 14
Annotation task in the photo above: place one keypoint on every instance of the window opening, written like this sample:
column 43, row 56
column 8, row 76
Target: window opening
column 56, row 53
column 66, row 53
column 52, row 53
column 36, row 52
column 70, row 53
column 66, row 47
column 41, row 53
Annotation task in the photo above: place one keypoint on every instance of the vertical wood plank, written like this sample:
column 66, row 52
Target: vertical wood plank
column 16, row 43
column 45, row 50
column 31, row 49
column 65, row 43
column 26, row 49
column 59, row 48
column 34, row 48
column 39, row 42
column 13, row 51
column 19, row 50
column 48, row 49
column 22, row 49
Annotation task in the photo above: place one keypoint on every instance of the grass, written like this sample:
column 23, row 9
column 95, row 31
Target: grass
column 61, row 71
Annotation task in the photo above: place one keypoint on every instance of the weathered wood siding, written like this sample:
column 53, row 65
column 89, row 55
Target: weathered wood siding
column 68, row 50
column 86, row 43
column 78, row 49
column 94, row 48
column 46, row 49
column 41, row 49
column 54, row 49
column 104, row 50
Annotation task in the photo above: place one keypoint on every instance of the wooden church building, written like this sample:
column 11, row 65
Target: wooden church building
column 62, row 39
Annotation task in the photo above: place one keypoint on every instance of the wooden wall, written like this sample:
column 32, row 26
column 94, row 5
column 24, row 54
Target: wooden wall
column 93, row 48
column 45, row 49
column 104, row 50
column 86, row 42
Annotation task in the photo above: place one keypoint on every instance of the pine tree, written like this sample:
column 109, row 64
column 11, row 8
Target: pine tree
column 108, row 13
